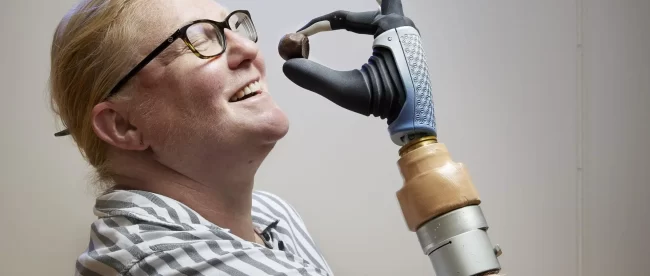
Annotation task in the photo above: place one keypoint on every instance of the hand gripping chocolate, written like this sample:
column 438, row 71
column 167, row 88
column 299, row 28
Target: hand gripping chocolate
column 438, row 200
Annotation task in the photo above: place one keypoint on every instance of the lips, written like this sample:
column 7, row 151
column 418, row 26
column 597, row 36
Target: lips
column 250, row 90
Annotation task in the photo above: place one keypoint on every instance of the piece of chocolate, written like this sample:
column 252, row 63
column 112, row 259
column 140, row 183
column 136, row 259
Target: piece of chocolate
column 295, row 45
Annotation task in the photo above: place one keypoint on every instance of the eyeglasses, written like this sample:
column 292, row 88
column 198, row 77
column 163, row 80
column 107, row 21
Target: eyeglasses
column 204, row 37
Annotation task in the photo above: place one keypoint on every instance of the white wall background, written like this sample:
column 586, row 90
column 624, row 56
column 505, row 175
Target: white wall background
column 616, row 124
column 547, row 102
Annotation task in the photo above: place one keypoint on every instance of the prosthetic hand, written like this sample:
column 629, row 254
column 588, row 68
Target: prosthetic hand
column 438, row 199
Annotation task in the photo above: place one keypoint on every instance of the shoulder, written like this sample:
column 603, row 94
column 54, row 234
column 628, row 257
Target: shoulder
column 131, row 226
column 129, row 231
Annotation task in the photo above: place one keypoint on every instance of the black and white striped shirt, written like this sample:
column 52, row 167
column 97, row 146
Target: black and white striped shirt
column 142, row 233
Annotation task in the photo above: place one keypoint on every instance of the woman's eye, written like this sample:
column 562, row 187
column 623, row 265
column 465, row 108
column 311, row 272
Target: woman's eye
column 198, row 41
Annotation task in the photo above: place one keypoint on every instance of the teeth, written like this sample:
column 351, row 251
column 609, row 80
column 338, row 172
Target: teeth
column 253, row 87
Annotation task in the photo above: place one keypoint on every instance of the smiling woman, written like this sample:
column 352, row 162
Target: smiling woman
column 174, row 113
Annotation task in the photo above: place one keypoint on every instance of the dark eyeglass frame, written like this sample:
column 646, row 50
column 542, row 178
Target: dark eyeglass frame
column 182, row 34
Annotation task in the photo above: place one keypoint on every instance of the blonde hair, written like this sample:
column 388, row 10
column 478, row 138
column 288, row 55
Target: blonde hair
column 90, row 53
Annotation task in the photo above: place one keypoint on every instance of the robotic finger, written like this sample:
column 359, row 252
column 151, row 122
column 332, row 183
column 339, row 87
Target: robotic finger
column 356, row 22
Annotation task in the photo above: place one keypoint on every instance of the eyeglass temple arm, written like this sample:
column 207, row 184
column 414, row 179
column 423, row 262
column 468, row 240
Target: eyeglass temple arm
column 61, row 133
column 134, row 71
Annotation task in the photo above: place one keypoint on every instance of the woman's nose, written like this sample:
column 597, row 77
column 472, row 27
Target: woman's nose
column 239, row 49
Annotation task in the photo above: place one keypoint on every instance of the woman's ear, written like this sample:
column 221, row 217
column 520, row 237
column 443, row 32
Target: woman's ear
column 113, row 127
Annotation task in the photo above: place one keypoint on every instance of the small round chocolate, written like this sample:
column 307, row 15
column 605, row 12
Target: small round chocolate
column 295, row 45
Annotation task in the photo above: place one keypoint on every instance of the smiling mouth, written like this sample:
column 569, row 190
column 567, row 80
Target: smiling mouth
column 247, row 92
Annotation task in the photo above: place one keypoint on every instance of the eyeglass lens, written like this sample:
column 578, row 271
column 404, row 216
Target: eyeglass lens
column 208, row 40
column 242, row 24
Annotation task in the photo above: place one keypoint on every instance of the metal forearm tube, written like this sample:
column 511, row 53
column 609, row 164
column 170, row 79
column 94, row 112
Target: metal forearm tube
column 441, row 205
column 457, row 243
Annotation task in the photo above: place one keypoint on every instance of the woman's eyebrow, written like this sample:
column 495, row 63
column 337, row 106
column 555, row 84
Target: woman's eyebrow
column 223, row 14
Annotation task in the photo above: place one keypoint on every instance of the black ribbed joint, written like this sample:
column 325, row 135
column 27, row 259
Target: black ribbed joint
column 387, row 94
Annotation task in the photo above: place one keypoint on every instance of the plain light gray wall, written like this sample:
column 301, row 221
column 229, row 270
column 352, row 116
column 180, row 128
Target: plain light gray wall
column 616, row 120
column 546, row 102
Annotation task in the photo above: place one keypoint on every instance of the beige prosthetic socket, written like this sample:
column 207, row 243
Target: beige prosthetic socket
column 441, row 205
column 433, row 183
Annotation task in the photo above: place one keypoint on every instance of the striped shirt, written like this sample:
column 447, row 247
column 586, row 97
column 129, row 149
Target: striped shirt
column 143, row 233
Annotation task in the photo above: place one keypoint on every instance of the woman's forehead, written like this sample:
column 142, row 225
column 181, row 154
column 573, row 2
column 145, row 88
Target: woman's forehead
column 163, row 17
column 169, row 15
column 188, row 10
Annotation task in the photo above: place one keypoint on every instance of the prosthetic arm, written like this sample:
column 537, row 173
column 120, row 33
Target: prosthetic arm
column 438, row 200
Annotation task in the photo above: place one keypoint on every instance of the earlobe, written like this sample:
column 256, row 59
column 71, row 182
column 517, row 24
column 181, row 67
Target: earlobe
column 114, row 128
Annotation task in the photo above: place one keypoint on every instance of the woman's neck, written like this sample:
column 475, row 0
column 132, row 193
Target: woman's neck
column 226, row 202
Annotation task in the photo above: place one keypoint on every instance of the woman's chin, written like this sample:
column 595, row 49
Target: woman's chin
column 279, row 128
column 274, row 127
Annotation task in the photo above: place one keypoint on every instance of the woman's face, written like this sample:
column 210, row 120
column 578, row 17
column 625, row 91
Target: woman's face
column 183, row 103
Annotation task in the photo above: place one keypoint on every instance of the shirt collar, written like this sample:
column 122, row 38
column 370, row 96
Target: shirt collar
column 161, row 209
